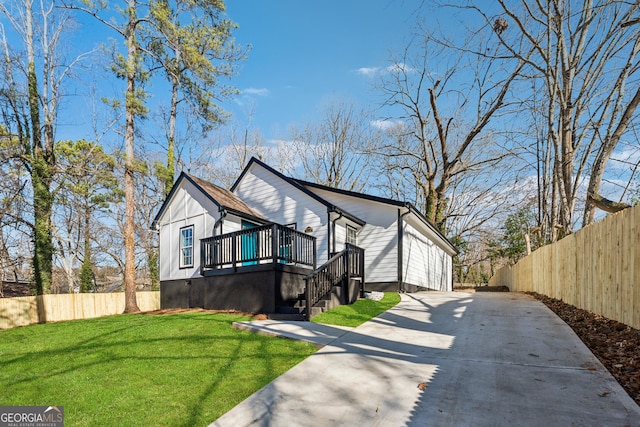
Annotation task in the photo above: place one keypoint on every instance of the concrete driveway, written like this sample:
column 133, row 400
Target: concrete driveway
column 441, row 359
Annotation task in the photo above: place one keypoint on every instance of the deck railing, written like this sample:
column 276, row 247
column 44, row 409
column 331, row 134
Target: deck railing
column 272, row 243
column 337, row 271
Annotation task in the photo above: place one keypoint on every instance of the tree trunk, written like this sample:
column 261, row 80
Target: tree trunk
column 130, row 304
column 605, row 204
column 172, row 137
column 41, row 173
column 600, row 164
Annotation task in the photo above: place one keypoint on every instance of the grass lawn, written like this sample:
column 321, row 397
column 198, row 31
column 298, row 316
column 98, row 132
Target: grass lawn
column 184, row 369
column 358, row 312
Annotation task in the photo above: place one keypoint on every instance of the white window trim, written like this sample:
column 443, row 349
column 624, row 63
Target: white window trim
column 180, row 251
column 354, row 231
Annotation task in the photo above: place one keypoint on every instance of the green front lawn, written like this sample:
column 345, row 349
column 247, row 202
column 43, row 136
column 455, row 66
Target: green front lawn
column 184, row 369
column 358, row 312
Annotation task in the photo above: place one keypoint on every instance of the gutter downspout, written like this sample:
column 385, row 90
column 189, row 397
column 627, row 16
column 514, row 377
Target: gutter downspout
column 219, row 221
column 400, row 245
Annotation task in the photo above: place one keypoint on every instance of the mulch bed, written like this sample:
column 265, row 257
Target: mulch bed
column 615, row 344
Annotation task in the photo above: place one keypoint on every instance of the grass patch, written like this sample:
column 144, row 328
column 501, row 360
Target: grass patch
column 359, row 312
column 184, row 369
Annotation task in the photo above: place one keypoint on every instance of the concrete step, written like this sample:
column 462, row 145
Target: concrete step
column 286, row 316
column 315, row 311
column 285, row 309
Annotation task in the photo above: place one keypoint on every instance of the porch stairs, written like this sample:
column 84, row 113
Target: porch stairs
column 339, row 281
column 298, row 310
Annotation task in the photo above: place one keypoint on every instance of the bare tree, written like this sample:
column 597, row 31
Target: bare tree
column 584, row 57
column 224, row 153
column 334, row 151
column 441, row 137
column 32, row 101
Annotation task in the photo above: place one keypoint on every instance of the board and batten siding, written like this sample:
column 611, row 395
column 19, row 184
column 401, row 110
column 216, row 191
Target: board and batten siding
column 282, row 203
column 424, row 263
column 188, row 206
column 379, row 237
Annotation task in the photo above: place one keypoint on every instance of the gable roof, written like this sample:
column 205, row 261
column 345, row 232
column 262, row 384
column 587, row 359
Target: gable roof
column 224, row 199
column 412, row 209
column 294, row 183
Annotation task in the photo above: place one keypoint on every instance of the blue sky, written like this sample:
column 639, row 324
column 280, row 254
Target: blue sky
column 303, row 55
column 306, row 53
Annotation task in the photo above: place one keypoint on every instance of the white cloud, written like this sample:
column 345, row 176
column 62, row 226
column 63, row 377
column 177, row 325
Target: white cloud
column 399, row 67
column 368, row 71
column 393, row 68
column 625, row 159
column 386, row 125
column 256, row 91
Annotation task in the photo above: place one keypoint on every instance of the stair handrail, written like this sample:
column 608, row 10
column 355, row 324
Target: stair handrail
column 340, row 266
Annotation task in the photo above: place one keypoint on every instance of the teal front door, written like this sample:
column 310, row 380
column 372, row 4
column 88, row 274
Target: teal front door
column 249, row 245
column 286, row 243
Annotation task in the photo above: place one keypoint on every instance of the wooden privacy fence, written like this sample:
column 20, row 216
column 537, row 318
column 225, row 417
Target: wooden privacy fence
column 596, row 269
column 24, row 311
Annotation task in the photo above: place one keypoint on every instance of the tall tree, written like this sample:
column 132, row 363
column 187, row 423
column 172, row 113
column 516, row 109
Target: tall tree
column 40, row 27
column 129, row 67
column 584, row 56
column 440, row 126
column 87, row 186
column 15, row 232
column 335, row 151
column 195, row 56
column 143, row 27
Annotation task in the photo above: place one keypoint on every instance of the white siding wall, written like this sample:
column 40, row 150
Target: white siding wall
column 425, row 264
column 188, row 207
column 341, row 236
column 282, row 203
column 230, row 223
column 379, row 237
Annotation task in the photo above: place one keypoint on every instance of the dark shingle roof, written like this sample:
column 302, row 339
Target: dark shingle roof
column 224, row 198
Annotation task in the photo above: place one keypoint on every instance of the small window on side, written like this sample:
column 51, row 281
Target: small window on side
column 352, row 236
column 186, row 247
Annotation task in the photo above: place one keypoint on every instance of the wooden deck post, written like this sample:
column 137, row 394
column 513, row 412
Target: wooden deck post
column 234, row 247
column 347, row 280
column 274, row 243
column 362, row 273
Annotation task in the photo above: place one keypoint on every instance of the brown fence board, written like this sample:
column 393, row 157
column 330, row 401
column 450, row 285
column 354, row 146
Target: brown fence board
column 634, row 268
column 596, row 269
column 24, row 311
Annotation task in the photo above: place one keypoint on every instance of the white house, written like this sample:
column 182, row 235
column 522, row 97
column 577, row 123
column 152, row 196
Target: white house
column 250, row 247
column 403, row 250
column 193, row 210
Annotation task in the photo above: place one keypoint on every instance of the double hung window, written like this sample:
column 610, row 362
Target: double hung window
column 352, row 235
column 186, row 247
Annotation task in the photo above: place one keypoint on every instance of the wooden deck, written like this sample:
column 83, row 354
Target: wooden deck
column 267, row 244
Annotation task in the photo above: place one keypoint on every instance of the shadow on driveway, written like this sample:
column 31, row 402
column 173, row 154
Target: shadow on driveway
column 443, row 359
